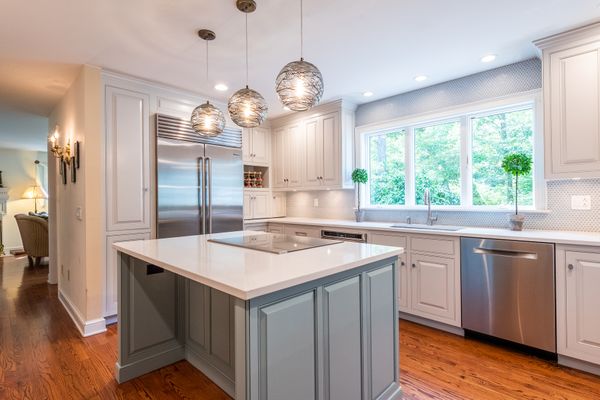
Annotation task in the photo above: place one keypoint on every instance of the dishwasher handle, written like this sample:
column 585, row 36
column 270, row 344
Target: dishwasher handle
column 506, row 253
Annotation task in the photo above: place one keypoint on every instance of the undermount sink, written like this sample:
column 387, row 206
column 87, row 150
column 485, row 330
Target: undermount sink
column 428, row 227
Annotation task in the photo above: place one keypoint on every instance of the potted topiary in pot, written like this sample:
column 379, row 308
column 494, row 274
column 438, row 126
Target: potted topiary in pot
column 359, row 176
column 517, row 164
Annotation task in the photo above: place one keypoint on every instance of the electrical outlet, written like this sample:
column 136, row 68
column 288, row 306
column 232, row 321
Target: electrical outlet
column 315, row 202
column 581, row 202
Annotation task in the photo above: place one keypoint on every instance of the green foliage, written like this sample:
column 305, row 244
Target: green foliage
column 360, row 175
column 517, row 164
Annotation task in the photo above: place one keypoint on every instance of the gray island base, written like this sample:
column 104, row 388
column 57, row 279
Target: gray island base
column 332, row 338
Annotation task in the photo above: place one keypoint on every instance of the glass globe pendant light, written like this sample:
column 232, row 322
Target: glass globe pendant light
column 299, row 83
column 247, row 108
column 207, row 120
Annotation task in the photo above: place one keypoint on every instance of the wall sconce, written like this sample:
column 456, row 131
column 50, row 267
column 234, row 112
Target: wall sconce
column 63, row 153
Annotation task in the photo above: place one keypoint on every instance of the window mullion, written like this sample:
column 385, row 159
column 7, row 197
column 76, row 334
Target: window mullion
column 466, row 173
column 409, row 155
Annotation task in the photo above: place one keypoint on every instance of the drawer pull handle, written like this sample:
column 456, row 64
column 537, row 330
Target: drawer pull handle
column 301, row 234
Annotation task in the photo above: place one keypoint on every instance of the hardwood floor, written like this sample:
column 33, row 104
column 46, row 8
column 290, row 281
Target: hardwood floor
column 42, row 356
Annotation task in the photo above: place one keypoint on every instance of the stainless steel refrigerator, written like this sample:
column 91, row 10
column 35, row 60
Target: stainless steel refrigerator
column 199, row 180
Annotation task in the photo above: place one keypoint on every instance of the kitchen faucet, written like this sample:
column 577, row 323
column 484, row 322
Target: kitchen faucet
column 427, row 199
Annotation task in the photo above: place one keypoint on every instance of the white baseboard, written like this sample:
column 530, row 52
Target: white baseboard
column 86, row 328
column 432, row 324
column 579, row 364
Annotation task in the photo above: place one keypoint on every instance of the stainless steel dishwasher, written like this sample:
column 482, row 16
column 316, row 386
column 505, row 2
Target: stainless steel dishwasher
column 508, row 290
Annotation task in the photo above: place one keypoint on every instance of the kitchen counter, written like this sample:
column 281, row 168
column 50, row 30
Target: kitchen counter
column 258, row 324
column 559, row 237
column 245, row 273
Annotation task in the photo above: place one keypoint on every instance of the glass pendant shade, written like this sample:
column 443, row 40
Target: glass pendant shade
column 299, row 85
column 208, row 120
column 247, row 108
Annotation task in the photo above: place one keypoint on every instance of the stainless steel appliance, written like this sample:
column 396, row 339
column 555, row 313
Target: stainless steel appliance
column 346, row 236
column 199, row 180
column 274, row 243
column 508, row 290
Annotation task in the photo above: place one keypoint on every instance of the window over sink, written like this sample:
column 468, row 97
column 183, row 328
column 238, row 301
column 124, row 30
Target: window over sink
column 457, row 155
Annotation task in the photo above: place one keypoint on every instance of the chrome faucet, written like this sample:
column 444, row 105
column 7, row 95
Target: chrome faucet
column 427, row 200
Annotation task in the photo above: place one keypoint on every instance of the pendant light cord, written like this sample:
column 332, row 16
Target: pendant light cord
column 301, row 31
column 246, row 49
column 206, row 61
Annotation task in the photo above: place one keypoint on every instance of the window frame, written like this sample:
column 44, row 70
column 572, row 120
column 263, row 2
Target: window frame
column 464, row 114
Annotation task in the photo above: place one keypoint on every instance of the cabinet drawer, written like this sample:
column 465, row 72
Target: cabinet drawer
column 300, row 230
column 430, row 245
column 387, row 239
column 255, row 227
column 275, row 228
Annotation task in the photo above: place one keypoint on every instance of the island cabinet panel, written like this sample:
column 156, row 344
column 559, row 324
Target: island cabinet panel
column 210, row 328
column 287, row 349
column 381, row 323
column 342, row 363
column 149, row 324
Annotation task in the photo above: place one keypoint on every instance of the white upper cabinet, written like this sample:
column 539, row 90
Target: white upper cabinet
column 127, row 160
column 287, row 156
column 313, row 150
column 256, row 146
column 571, row 63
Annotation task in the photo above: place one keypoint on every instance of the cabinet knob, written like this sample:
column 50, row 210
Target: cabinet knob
column 570, row 266
column 414, row 265
column 402, row 263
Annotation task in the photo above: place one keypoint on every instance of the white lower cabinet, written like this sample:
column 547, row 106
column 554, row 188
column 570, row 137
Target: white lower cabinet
column 429, row 278
column 578, row 303
column 275, row 228
column 110, row 306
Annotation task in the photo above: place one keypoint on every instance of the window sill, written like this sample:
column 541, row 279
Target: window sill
column 434, row 208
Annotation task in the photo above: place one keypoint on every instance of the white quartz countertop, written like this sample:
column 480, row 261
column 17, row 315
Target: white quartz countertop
column 559, row 237
column 245, row 273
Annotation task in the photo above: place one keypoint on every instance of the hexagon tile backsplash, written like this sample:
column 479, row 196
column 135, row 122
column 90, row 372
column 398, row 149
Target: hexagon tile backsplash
column 338, row 204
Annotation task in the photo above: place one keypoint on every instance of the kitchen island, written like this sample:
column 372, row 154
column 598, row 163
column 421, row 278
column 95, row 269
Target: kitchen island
column 319, row 323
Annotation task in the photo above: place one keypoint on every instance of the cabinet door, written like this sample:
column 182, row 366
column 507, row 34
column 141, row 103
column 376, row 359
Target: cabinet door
column 110, row 305
column 127, row 160
column 329, row 126
column 403, row 294
column 260, row 205
column 578, row 299
column 294, row 153
column 284, row 371
column 574, row 111
column 278, row 167
column 247, row 205
column 247, row 145
column 261, row 148
column 433, row 287
column 313, row 154
column 278, row 205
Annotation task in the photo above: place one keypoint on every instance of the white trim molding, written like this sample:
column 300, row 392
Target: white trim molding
column 86, row 328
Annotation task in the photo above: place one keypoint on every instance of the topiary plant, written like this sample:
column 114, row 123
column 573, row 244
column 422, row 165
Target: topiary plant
column 517, row 164
column 359, row 176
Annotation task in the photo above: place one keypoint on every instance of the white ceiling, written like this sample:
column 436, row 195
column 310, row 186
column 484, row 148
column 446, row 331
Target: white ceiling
column 377, row 45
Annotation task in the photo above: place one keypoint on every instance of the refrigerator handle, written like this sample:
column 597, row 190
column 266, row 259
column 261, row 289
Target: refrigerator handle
column 208, row 163
column 200, row 173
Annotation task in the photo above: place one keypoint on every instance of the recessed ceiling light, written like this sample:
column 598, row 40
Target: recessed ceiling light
column 488, row 58
column 368, row 93
column 221, row 87
column 420, row 78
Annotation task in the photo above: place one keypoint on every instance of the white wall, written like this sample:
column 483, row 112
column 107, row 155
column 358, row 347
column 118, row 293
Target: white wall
column 76, row 243
column 19, row 173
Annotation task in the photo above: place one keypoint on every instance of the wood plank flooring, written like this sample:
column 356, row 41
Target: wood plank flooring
column 42, row 356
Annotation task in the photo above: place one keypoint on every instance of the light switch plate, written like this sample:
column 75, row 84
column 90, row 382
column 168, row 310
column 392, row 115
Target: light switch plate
column 581, row 202
column 315, row 202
